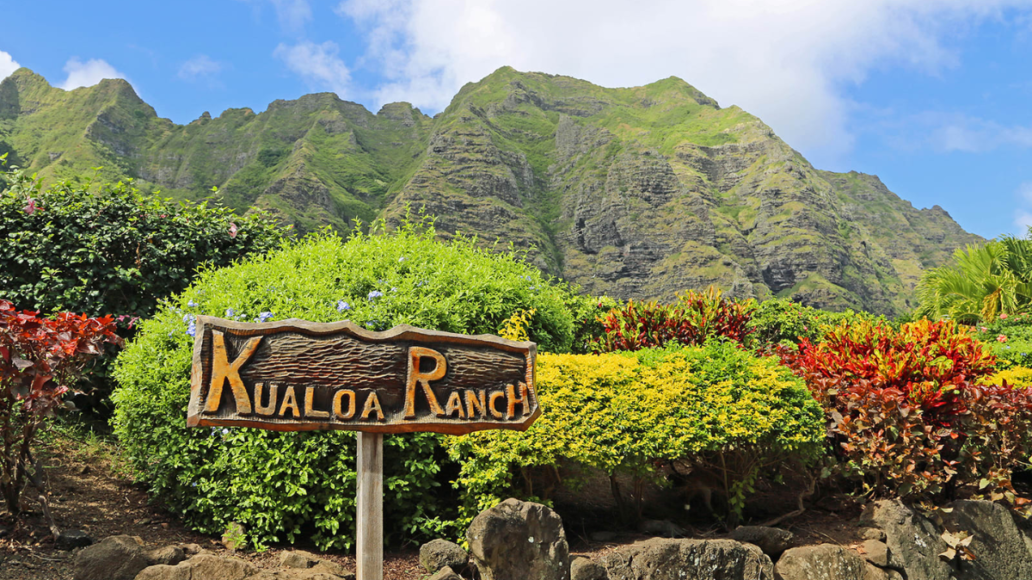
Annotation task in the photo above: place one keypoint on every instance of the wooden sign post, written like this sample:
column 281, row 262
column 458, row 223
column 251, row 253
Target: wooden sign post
column 295, row 375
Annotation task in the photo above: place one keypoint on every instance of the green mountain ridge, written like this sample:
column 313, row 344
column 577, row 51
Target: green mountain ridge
column 634, row 192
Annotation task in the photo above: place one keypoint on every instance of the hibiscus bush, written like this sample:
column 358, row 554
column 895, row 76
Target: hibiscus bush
column 39, row 359
column 907, row 415
column 109, row 249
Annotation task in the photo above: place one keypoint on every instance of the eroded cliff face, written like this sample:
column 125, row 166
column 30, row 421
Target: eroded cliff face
column 641, row 192
column 649, row 191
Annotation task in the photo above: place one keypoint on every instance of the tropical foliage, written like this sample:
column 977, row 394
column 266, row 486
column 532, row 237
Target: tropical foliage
column 281, row 486
column 713, row 410
column 907, row 413
column 981, row 283
column 39, row 359
column 108, row 249
column 692, row 320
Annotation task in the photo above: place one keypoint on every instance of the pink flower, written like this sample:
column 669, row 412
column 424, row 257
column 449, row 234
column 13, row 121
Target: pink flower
column 232, row 230
column 983, row 329
column 1003, row 317
column 30, row 208
column 1001, row 338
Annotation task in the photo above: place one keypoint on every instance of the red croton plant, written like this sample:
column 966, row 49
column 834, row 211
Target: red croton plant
column 906, row 414
column 39, row 357
column 695, row 317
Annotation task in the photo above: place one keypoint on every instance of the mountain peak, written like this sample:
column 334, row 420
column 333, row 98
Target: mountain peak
column 631, row 192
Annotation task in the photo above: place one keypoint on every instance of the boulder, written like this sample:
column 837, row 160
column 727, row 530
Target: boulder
column 446, row 573
column 71, row 539
column 823, row 562
column 164, row 572
column 875, row 573
column 298, row 574
column 582, row 568
column 1001, row 549
column 234, row 537
column 327, row 567
column 169, row 555
column 663, row 559
column 876, row 553
column 773, row 541
column 205, row 567
column 437, row 554
column 297, row 559
column 914, row 542
column 201, row 567
column 113, row 558
column 191, row 549
column 518, row 540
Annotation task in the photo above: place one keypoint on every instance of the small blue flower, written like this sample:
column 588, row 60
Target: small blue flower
column 225, row 431
column 194, row 484
column 264, row 316
column 394, row 289
column 230, row 313
column 192, row 304
column 342, row 306
column 401, row 259
column 375, row 294
column 191, row 329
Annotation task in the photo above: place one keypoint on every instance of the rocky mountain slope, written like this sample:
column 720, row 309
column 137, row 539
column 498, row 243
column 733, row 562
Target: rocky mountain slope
column 639, row 192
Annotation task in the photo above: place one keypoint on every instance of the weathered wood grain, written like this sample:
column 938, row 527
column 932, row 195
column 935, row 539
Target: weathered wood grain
column 298, row 375
column 369, row 520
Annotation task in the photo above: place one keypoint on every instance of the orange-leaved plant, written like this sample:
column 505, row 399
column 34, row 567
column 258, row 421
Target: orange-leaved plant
column 694, row 318
column 906, row 414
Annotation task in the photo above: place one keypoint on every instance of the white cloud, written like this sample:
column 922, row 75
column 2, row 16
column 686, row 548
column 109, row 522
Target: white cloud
column 292, row 14
column 318, row 64
column 1023, row 214
column 87, row 74
column 975, row 135
column 7, row 65
column 787, row 61
column 198, row 67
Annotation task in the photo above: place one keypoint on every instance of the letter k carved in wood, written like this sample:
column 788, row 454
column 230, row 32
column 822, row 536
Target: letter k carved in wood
column 222, row 370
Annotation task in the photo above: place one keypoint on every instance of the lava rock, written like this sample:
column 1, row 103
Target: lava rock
column 582, row 568
column 773, row 541
column 820, row 562
column 446, row 573
column 437, row 554
column 663, row 559
column 71, row 539
column 518, row 540
column 113, row 558
column 876, row 553
column 169, row 555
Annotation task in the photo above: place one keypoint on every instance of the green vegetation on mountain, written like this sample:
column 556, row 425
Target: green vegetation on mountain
column 635, row 192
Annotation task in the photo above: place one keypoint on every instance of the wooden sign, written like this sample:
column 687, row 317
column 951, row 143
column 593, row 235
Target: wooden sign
column 296, row 375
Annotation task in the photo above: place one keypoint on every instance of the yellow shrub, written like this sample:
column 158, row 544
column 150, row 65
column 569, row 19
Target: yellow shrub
column 1017, row 376
column 626, row 412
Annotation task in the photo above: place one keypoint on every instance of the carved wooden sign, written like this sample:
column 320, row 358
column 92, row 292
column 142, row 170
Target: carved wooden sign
column 296, row 375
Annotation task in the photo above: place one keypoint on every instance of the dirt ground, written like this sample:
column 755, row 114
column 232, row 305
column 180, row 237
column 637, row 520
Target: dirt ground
column 90, row 492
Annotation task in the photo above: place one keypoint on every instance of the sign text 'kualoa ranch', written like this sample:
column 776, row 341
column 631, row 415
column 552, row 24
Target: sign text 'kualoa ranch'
column 297, row 375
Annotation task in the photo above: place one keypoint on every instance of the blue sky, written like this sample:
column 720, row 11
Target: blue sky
column 931, row 95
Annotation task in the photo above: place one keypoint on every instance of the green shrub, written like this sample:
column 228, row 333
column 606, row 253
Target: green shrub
column 284, row 485
column 109, row 249
column 782, row 322
column 1009, row 338
column 716, row 408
